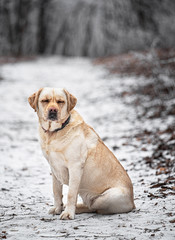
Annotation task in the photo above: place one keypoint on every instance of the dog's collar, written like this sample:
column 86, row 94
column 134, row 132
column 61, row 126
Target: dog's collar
column 58, row 129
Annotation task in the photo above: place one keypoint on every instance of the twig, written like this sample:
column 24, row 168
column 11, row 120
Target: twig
column 7, row 219
column 56, row 236
column 170, row 60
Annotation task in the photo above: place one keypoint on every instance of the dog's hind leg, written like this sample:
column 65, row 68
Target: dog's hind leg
column 113, row 200
column 82, row 208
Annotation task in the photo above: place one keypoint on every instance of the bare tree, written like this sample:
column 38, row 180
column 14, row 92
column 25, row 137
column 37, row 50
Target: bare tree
column 84, row 27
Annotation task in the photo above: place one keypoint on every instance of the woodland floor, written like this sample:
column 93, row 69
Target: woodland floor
column 130, row 102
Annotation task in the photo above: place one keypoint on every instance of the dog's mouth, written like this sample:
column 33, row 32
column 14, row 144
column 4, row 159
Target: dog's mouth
column 52, row 116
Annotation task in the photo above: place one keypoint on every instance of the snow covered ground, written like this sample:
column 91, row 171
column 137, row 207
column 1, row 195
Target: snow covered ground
column 25, row 181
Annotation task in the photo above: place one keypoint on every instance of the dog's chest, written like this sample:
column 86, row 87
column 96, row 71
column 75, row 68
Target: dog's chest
column 54, row 153
column 58, row 166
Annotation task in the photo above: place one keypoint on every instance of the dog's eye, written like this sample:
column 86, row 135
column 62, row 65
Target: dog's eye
column 45, row 101
column 60, row 101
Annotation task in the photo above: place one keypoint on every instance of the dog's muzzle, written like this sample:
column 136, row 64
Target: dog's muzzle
column 53, row 114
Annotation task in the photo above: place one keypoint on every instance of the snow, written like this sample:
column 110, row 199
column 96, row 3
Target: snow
column 26, row 187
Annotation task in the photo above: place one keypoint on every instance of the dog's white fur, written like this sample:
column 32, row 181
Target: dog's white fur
column 78, row 158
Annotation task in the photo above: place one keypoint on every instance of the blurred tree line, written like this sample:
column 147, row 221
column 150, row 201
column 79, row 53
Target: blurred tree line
column 84, row 27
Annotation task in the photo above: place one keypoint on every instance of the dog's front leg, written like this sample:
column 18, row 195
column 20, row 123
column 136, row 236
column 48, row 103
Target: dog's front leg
column 75, row 173
column 57, row 193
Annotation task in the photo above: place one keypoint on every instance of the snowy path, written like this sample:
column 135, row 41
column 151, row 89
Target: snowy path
column 25, row 181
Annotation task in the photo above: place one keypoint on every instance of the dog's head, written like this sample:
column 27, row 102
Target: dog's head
column 53, row 106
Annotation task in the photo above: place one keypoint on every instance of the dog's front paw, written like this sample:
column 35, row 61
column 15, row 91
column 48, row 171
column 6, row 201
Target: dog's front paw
column 67, row 215
column 55, row 210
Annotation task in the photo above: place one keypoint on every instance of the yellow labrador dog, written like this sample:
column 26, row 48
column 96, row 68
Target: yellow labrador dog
column 79, row 158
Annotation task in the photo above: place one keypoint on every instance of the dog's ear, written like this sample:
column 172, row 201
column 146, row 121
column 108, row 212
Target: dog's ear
column 33, row 99
column 71, row 101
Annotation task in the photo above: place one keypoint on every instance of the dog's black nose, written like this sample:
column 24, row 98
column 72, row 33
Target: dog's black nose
column 52, row 114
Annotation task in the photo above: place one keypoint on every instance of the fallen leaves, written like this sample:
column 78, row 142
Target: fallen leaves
column 47, row 219
column 162, row 170
column 157, row 185
column 5, row 189
column 146, row 63
column 153, row 99
column 165, row 188
column 3, row 235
